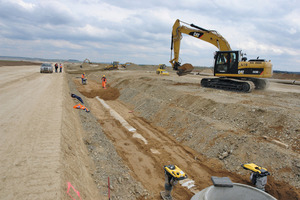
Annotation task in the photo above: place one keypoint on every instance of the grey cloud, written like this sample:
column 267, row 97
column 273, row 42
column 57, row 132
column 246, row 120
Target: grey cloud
column 144, row 32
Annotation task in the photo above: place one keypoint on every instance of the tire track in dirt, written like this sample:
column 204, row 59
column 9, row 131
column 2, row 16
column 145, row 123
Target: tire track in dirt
column 146, row 166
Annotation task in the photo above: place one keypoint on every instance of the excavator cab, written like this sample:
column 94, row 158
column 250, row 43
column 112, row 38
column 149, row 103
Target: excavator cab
column 226, row 62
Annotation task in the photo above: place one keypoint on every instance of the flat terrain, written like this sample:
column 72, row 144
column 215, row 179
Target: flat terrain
column 33, row 121
column 31, row 118
column 46, row 143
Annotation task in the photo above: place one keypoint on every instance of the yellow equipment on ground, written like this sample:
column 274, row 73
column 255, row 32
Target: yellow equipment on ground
column 234, row 71
column 161, row 70
column 172, row 175
column 258, row 176
column 175, row 171
column 254, row 168
column 114, row 65
column 125, row 65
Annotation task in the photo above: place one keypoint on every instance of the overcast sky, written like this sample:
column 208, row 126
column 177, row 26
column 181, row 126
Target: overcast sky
column 139, row 31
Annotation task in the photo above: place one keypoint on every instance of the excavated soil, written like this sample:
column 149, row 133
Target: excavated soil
column 47, row 145
column 93, row 89
column 205, row 132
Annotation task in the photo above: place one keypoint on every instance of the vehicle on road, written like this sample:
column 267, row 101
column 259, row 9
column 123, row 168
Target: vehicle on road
column 46, row 68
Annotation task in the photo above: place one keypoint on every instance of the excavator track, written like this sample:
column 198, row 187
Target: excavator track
column 260, row 84
column 229, row 84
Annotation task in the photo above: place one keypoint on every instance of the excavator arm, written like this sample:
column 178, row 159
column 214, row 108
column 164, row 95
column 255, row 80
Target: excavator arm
column 209, row 36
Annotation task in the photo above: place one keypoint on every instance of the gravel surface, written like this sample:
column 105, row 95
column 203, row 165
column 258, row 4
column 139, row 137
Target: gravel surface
column 234, row 128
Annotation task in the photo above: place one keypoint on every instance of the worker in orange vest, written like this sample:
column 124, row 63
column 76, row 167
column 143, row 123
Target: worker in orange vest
column 60, row 67
column 104, row 80
column 83, row 78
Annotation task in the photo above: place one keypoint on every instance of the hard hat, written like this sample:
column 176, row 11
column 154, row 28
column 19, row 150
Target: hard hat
column 103, row 75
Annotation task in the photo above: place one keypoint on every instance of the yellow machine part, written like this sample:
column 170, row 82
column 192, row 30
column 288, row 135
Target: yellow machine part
column 175, row 171
column 185, row 69
column 253, row 167
column 161, row 70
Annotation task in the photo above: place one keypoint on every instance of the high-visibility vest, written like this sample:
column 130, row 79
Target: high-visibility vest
column 79, row 106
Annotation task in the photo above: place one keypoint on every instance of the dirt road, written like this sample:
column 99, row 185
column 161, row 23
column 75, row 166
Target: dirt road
column 38, row 129
column 30, row 133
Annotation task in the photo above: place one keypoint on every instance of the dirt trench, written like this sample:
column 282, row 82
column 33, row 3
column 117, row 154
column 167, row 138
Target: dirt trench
column 160, row 116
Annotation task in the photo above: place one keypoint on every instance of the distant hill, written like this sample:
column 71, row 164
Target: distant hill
column 79, row 61
column 36, row 59
column 285, row 72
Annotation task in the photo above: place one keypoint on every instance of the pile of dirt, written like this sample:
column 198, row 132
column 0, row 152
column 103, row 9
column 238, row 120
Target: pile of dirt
column 79, row 68
column 93, row 89
column 223, row 123
column 233, row 128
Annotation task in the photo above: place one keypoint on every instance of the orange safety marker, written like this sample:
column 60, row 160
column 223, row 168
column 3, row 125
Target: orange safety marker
column 77, row 192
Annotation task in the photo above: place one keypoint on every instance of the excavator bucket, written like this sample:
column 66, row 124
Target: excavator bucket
column 184, row 69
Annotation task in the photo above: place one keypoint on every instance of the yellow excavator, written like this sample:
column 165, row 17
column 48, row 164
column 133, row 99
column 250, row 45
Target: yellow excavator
column 233, row 70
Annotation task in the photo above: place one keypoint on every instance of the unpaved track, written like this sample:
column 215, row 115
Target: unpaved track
column 241, row 119
column 30, row 125
column 146, row 161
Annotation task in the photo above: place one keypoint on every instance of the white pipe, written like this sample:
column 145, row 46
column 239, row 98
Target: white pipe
column 122, row 121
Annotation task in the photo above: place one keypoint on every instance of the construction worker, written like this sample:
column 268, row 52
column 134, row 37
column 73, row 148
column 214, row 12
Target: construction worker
column 104, row 80
column 60, row 67
column 83, row 78
column 56, row 67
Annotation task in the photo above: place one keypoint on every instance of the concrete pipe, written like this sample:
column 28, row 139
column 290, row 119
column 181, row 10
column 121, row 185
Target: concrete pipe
column 237, row 192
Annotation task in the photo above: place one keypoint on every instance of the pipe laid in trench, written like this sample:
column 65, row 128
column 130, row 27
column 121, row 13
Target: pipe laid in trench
column 124, row 123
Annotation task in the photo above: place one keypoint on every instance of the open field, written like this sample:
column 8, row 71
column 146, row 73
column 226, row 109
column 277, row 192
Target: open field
column 46, row 143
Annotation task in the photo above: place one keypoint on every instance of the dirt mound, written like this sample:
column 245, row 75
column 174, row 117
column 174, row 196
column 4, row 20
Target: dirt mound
column 93, row 89
column 222, row 126
column 17, row 63
column 222, row 123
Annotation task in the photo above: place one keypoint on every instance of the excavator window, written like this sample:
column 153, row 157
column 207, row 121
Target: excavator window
column 226, row 62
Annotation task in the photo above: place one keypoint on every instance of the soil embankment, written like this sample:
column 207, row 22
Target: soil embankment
column 205, row 132
column 46, row 144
